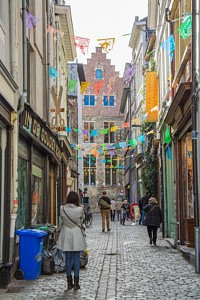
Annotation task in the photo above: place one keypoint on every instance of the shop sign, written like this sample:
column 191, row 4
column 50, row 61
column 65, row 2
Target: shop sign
column 34, row 127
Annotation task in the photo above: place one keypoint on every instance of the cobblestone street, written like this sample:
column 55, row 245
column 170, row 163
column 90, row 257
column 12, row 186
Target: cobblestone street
column 122, row 265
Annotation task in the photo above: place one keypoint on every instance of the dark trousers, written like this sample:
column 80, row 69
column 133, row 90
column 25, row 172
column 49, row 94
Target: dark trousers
column 112, row 215
column 150, row 230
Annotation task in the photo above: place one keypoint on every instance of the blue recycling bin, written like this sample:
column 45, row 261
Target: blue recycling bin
column 30, row 252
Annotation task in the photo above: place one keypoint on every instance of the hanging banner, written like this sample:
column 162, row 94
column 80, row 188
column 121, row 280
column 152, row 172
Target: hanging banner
column 106, row 44
column 151, row 96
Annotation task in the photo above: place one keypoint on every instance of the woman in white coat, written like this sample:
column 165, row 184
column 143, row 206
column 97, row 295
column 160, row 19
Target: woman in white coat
column 71, row 239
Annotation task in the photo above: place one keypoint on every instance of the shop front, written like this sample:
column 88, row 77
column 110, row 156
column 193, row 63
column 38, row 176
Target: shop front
column 179, row 118
column 39, row 162
column 5, row 189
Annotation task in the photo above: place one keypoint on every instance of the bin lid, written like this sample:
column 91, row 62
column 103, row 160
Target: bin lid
column 31, row 232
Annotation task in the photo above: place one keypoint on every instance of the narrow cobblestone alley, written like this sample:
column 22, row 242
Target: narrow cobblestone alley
column 122, row 265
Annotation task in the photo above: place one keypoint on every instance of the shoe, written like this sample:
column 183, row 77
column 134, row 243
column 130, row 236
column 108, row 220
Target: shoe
column 76, row 283
column 103, row 230
column 150, row 241
column 69, row 282
column 109, row 229
column 154, row 242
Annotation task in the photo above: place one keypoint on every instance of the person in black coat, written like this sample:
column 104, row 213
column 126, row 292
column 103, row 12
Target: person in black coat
column 153, row 219
column 142, row 203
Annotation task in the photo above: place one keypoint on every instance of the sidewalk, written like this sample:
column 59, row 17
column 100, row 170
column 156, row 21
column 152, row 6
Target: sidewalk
column 122, row 265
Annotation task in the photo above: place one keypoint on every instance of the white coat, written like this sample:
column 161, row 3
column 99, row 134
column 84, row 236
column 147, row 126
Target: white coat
column 71, row 237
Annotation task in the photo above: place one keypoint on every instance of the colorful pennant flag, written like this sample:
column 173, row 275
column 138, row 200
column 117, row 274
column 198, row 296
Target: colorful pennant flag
column 129, row 73
column 72, row 84
column 97, row 86
column 84, row 86
column 114, row 128
column 169, row 46
column 104, row 131
column 94, row 132
column 132, row 142
column 53, row 72
column 167, row 136
column 81, row 43
column 107, row 44
column 31, row 20
column 141, row 138
column 169, row 153
column 185, row 29
column 111, row 82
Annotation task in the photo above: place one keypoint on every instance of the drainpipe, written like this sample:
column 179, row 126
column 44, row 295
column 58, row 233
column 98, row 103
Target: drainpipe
column 195, row 98
column 23, row 97
column 48, row 2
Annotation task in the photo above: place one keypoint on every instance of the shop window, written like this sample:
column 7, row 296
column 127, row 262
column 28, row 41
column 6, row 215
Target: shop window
column 110, row 136
column 89, row 169
column 22, row 193
column 37, row 196
column 88, row 127
column 187, row 176
column 110, row 170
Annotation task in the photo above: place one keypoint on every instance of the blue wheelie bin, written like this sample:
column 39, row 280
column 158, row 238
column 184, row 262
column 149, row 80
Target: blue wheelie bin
column 30, row 252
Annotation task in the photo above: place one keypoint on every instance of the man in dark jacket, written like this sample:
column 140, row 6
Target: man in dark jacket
column 153, row 219
column 105, row 206
column 142, row 203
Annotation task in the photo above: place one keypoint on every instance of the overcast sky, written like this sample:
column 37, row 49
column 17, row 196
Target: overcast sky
column 107, row 19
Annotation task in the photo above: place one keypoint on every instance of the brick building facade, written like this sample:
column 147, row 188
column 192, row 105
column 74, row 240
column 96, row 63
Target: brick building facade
column 101, row 110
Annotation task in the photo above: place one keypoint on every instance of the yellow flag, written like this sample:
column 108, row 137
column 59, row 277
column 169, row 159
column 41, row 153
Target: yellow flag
column 84, row 86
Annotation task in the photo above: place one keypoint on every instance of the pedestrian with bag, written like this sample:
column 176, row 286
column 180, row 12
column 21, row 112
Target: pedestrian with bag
column 105, row 207
column 71, row 239
column 153, row 219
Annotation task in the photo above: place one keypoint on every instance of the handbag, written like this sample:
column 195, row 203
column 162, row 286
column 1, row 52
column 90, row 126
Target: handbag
column 80, row 226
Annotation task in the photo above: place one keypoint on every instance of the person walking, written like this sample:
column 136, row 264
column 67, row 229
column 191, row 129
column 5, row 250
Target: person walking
column 105, row 206
column 153, row 219
column 113, row 209
column 123, row 213
column 142, row 203
column 118, row 207
column 71, row 239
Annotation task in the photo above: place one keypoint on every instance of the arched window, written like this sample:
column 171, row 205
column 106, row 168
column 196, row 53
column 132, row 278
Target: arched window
column 98, row 74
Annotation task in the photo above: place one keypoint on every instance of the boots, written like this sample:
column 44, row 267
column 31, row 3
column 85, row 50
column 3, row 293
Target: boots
column 76, row 283
column 70, row 282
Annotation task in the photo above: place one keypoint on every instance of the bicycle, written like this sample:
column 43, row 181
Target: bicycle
column 88, row 219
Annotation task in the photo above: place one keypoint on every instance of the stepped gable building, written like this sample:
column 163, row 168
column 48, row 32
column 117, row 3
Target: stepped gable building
column 102, row 163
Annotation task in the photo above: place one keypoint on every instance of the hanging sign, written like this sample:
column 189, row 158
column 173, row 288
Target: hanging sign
column 151, row 96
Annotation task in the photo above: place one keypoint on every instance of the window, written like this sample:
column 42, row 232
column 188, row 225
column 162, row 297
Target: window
column 109, row 102
column 89, row 100
column 98, row 74
column 88, row 126
column 37, row 195
column 110, row 136
column 110, row 170
column 89, row 170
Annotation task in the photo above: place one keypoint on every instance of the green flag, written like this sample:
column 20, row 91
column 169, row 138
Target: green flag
column 185, row 29
column 167, row 136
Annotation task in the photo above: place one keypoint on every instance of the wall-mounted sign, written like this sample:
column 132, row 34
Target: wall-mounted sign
column 39, row 130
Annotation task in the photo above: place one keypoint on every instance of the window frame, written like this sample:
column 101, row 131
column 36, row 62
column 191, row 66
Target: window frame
column 90, row 139
column 109, row 169
column 110, row 136
column 108, row 101
column 88, row 161
column 91, row 100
